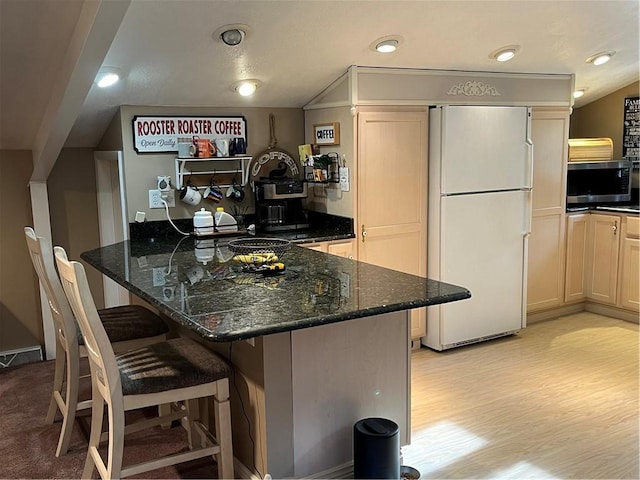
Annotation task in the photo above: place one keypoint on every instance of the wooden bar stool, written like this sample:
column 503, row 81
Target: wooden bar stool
column 128, row 327
column 178, row 371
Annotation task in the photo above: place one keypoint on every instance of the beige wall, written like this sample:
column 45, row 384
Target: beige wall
column 603, row 118
column 74, row 209
column 74, row 225
column 20, row 320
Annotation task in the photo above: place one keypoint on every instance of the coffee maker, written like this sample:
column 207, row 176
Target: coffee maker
column 279, row 204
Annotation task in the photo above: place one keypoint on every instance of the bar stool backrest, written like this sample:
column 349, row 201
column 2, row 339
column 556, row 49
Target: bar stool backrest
column 43, row 263
column 104, row 370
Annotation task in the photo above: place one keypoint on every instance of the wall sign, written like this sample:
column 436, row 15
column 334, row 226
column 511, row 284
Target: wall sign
column 327, row 133
column 631, row 129
column 160, row 134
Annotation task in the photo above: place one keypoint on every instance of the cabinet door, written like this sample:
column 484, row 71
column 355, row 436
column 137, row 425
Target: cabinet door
column 392, row 195
column 603, row 258
column 342, row 249
column 545, row 275
column 320, row 247
column 630, row 291
column 575, row 285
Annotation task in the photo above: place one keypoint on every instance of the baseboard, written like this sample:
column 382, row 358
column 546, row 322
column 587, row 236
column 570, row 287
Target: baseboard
column 599, row 308
column 341, row 471
column 20, row 356
column 555, row 312
column 614, row 312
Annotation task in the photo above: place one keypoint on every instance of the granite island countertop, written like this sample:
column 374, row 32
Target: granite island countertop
column 222, row 302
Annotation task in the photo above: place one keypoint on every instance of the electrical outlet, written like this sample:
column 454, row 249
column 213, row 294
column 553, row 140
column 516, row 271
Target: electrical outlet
column 155, row 198
column 159, row 275
column 344, row 179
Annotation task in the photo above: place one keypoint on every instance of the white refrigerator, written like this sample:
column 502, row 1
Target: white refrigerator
column 479, row 220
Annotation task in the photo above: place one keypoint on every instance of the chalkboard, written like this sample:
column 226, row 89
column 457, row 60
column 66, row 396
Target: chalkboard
column 631, row 129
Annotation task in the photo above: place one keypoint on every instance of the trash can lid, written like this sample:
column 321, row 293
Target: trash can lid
column 382, row 427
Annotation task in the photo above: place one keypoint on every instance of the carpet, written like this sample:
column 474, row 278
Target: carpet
column 28, row 444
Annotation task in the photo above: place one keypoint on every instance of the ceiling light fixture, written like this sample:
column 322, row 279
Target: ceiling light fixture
column 600, row 58
column 504, row 54
column 579, row 92
column 246, row 88
column 231, row 35
column 388, row 44
column 107, row 76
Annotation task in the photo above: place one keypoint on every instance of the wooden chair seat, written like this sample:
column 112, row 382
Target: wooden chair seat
column 130, row 322
column 176, row 363
column 128, row 327
column 179, row 371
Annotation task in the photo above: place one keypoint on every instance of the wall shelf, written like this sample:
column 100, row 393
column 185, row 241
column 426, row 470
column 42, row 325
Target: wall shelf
column 187, row 167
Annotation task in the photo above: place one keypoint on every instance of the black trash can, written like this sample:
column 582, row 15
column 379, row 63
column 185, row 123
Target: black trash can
column 376, row 449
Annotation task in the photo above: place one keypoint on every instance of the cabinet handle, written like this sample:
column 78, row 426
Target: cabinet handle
column 615, row 227
column 364, row 233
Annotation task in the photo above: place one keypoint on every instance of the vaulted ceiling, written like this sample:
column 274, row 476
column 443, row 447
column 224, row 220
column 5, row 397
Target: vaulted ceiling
column 51, row 50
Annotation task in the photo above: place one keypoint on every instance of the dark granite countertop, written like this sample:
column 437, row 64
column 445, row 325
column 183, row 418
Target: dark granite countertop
column 631, row 209
column 221, row 302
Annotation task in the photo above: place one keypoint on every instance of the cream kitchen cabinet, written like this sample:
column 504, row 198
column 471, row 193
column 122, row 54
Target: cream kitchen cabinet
column 575, row 284
column 630, row 265
column 602, row 258
column 546, row 263
column 340, row 248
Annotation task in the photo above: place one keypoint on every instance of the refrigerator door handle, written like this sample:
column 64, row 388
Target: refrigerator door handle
column 529, row 166
column 528, row 211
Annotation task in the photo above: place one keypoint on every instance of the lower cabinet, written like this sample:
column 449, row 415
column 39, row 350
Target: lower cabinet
column 630, row 266
column 545, row 276
column 340, row 248
column 575, row 282
column 604, row 248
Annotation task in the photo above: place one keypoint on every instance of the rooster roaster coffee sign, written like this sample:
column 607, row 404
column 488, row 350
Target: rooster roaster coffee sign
column 160, row 134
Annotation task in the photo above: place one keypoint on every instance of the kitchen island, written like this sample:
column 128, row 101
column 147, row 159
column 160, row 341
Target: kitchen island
column 314, row 349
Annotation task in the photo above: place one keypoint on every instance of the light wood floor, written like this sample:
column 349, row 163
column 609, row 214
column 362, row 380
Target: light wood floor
column 558, row 400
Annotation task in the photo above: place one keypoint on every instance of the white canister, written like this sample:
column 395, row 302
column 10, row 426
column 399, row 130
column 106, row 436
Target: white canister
column 203, row 222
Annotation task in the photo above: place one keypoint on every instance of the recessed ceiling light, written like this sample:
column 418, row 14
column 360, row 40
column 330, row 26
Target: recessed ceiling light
column 246, row 88
column 107, row 76
column 232, row 34
column 600, row 58
column 388, row 44
column 504, row 54
column 232, row 37
column 579, row 92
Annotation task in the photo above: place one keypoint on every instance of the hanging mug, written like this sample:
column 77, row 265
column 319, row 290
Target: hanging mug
column 235, row 191
column 213, row 192
column 190, row 195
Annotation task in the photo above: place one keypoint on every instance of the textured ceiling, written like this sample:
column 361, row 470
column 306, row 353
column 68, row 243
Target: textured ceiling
column 295, row 48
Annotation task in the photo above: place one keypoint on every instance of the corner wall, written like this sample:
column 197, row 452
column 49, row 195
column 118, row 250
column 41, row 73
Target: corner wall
column 603, row 118
column 20, row 317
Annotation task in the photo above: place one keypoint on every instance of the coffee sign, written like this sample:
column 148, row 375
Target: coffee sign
column 327, row 133
column 160, row 134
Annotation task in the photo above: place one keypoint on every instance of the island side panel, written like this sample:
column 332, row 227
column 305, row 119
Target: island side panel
column 342, row 373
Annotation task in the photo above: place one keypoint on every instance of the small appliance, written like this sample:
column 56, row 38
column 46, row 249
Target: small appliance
column 599, row 182
column 279, row 204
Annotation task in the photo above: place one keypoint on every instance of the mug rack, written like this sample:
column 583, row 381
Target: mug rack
column 186, row 167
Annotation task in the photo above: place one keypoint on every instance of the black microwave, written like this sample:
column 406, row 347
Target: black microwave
column 599, row 182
